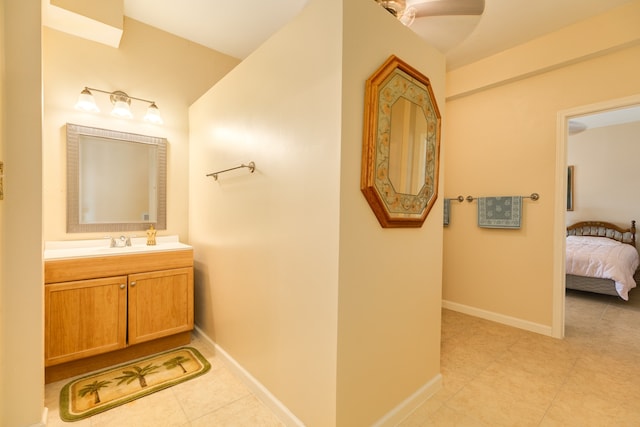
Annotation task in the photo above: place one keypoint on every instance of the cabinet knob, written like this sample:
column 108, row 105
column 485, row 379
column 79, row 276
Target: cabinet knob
column 133, row 283
column 122, row 286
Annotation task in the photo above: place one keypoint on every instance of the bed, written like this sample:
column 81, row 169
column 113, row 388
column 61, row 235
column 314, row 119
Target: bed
column 601, row 257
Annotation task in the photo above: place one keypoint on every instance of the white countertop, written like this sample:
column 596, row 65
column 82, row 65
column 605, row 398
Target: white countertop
column 63, row 249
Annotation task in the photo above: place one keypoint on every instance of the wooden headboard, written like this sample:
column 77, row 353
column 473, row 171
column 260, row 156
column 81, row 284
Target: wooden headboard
column 604, row 229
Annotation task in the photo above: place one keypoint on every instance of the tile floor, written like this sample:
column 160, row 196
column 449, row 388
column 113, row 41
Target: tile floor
column 493, row 375
column 216, row 398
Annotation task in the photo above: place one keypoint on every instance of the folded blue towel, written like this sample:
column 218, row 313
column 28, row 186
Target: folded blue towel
column 500, row 212
column 447, row 205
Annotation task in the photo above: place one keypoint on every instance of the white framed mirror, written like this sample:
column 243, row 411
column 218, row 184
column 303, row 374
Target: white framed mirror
column 116, row 181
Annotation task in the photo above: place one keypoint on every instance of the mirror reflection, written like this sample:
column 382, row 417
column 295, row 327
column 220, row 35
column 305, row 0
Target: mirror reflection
column 115, row 180
column 130, row 166
column 407, row 147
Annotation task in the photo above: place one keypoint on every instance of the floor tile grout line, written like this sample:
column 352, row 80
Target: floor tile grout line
column 560, row 387
column 496, row 359
column 174, row 392
column 575, row 362
column 249, row 394
column 576, row 351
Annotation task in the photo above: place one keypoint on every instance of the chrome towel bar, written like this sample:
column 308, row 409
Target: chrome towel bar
column 532, row 196
column 251, row 166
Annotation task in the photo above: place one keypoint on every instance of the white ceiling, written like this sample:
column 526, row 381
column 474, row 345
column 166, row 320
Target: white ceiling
column 508, row 23
column 233, row 27
column 613, row 117
column 239, row 27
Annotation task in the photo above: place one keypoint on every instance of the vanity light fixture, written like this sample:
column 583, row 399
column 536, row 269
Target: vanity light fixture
column 121, row 102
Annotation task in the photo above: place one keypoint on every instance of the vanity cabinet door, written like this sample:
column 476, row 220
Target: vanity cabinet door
column 84, row 318
column 160, row 304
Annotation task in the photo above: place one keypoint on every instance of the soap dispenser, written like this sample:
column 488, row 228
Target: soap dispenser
column 151, row 236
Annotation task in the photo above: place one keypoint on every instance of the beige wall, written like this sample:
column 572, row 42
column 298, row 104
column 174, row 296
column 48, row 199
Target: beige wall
column 109, row 12
column 390, row 279
column 605, row 163
column 21, row 320
column 2, row 157
column 266, row 244
column 149, row 64
column 295, row 279
column 501, row 135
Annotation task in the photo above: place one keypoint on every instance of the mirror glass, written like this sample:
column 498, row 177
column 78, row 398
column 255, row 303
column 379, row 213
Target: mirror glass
column 407, row 147
column 401, row 145
column 116, row 181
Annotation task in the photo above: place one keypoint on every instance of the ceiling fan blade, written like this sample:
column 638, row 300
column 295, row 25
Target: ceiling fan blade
column 449, row 7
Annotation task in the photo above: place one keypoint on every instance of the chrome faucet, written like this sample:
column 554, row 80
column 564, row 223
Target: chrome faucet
column 121, row 242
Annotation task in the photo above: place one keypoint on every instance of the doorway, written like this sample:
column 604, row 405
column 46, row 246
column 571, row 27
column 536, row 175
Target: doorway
column 608, row 113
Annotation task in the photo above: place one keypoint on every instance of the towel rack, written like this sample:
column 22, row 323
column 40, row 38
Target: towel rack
column 251, row 166
column 532, row 196
column 459, row 198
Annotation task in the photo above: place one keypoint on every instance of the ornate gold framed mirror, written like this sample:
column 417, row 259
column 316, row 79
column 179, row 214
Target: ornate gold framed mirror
column 401, row 145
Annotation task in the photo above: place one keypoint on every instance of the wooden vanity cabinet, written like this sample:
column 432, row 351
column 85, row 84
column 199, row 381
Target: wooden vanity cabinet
column 85, row 318
column 160, row 304
column 102, row 310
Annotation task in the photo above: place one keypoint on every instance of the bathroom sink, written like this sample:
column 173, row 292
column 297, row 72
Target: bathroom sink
column 101, row 247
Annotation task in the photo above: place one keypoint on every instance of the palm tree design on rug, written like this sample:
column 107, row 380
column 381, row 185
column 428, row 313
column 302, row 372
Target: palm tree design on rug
column 137, row 373
column 176, row 361
column 93, row 388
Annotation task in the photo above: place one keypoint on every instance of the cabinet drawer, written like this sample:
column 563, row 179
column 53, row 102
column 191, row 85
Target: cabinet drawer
column 66, row 270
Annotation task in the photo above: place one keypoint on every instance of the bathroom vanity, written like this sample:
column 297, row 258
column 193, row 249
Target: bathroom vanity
column 105, row 305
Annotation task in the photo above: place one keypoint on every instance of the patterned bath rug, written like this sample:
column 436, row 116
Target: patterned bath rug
column 115, row 386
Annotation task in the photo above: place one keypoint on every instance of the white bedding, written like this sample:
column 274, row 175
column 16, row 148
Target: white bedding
column 603, row 258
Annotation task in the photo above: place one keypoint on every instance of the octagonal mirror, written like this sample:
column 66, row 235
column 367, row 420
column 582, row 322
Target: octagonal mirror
column 401, row 145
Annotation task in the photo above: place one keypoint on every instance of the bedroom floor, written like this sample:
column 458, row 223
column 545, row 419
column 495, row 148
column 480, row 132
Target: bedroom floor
column 495, row 375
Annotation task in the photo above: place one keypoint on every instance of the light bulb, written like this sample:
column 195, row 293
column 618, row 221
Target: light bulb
column 153, row 114
column 86, row 102
column 121, row 109
column 408, row 16
column 121, row 101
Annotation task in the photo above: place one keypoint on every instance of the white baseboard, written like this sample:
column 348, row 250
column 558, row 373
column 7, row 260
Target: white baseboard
column 43, row 420
column 410, row 404
column 260, row 391
column 395, row 416
column 499, row 318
